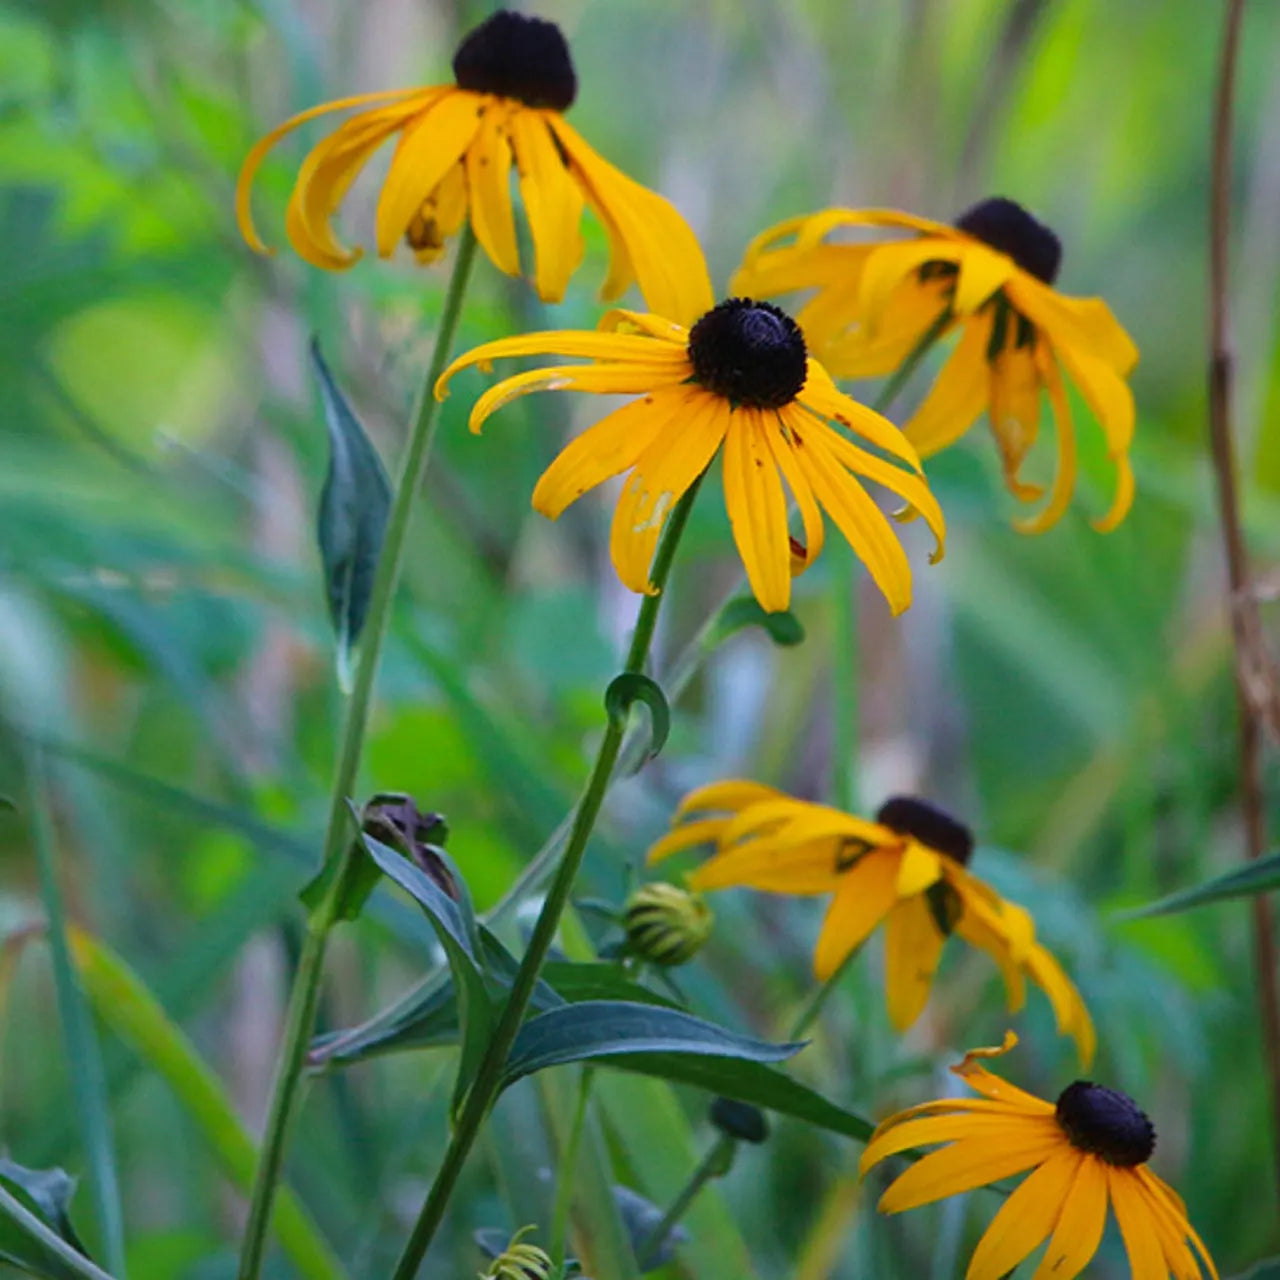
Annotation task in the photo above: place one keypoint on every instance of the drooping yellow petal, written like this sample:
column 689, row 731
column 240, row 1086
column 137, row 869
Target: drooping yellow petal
column 886, row 268
column 865, row 896
column 774, row 866
column 1026, row 1218
column 894, row 1136
column 857, row 517
column 602, row 451
column 1085, row 323
column 757, row 510
column 669, row 266
column 253, row 161
column 1173, row 1239
column 821, row 396
column 1164, row 1195
column 1137, row 1229
column 920, row 867
column 912, row 948
column 488, row 162
column 979, row 927
column 1105, row 392
column 622, row 270
column 857, row 351
column 802, row 820
column 969, row 1163
column 1069, row 1009
column 982, row 272
column 621, row 320
column 1080, row 1225
column 575, row 343
column 621, row 379
column 779, row 442
column 685, row 836
column 959, row 394
column 732, row 794
column 995, row 1087
column 661, row 476
column 427, row 150
column 1015, row 414
column 440, row 217
column 791, row 269
column 552, row 201
column 1064, row 476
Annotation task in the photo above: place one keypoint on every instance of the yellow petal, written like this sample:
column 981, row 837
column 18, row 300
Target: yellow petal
column 427, row 150
column 1069, row 1010
column 959, row 394
column 802, row 820
column 912, row 948
column 1105, row 392
column 757, row 510
column 920, row 867
column 1026, row 1218
column 605, row 450
column 893, row 1138
column 1080, row 1225
column 1064, row 476
column 488, row 162
column 668, row 261
column 661, row 476
column 861, row 351
column 440, row 217
column 820, row 395
column 704, row 831
column 857, row 517
column 780, row 446
column 732, row 794
column 620, row 320
column 886, row 268
column 601, row 379
column 774, row 866
column 969, row 1163
column 1085, row 323
column 253, row 161
column 982, row 272
column 992, row 1086
column 1137, row 1228
column 1015, row 414
column 1168, row 1202
column 552, row 202
column 865, row 896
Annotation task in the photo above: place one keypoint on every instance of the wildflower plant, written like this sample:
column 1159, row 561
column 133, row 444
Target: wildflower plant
column 542, row 1061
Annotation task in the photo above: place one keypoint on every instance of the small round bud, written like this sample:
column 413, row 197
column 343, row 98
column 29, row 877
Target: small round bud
column 739, row 1120
column 665, row 924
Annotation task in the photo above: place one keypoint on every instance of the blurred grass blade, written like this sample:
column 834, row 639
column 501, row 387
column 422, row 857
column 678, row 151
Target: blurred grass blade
column 354, row 505
column 125, row 1005
column 35, row 1232
column 84, row 1058
column 1262, row 876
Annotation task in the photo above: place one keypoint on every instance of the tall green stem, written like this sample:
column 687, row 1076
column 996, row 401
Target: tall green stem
column 715, row 1164
column 808, row 1012
column 484, row 1089
column 300, row 1019
column 83, row 1056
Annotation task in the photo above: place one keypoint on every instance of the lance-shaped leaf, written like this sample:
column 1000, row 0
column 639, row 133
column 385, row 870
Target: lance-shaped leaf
column 783, row 628
column 36, row 1234
column 1262, row 876
column 609, row 1028
column 353, row 515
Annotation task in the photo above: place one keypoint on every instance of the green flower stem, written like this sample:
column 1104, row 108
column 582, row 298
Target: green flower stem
column 565, row 1176
column 488, row 1082
column 808, row 1012
column 300, row 1020
column 844, row 606
column 715, row 1164
column 88, row 1080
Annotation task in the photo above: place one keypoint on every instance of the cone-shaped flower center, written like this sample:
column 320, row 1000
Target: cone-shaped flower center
column 928, row 824
column 752, row 353
column 1106, row 1123
column 1005, row 225
column 518, row 57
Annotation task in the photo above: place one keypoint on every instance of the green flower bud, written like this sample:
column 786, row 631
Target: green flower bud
column 519, row 1261
column 665, row 924
column 739, row 1120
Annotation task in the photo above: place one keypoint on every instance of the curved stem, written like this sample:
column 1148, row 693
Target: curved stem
column 488, row 1082
column 1251, row 665
column 300, row 1019
column 715, row 1164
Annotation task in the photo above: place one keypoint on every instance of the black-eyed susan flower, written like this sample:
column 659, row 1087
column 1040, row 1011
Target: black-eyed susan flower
column 991, row 277
column 740, row 379
column 514, row 79
column 665, row 924
column 906, row 870
column 1086, row 1151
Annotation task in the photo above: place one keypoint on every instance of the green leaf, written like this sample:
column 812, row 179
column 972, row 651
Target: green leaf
column 45, row 1194
column 750, row 1081
column 1262, row 876
column 784, row 628
column 455, row 926
column 610, row 1028
column 353, row 515
column 624, row 692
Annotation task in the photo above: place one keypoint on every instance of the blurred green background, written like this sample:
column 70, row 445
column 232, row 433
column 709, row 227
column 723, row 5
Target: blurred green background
column 163, row 631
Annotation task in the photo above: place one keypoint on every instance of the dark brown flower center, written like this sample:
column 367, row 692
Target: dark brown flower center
column 928, row 824
column 518, row 57
column 1005, row 225
column 751, row 353
column 1106, row 1123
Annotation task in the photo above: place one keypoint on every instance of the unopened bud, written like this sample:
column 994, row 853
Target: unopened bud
column 519, row 1261
column 739, row 1120
column 665, row 924
column 395, row 819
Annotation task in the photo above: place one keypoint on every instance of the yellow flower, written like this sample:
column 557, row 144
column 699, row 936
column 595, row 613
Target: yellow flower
column 457, row 143
column 741, row 378
column 907, row 870
column 991, row 277
column 1089, row 1149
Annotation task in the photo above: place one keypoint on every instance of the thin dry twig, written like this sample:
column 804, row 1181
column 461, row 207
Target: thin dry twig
column 1254, row 669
